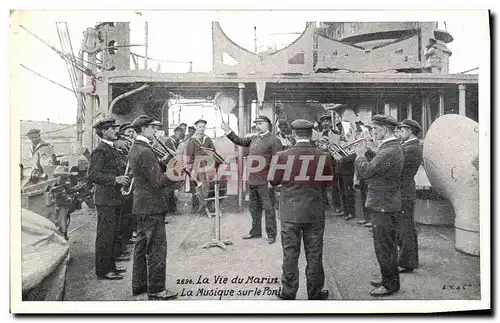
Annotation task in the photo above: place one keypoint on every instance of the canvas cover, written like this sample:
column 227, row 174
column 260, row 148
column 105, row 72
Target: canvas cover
column 44, row 258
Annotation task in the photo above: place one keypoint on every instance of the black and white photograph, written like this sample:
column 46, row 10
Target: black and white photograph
column 191, row 161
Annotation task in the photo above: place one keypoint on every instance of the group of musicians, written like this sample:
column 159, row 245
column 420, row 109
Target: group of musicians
column 384, row 162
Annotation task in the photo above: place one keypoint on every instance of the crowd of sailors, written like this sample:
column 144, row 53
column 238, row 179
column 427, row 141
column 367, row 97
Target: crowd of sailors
column 133, row 194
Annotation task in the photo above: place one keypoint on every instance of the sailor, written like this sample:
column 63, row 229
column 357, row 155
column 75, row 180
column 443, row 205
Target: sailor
column 128, row 222
column 407, row 232
column 172, row 142
column 106, row 171
column 128, row 132
column 190, row 132
column 41, row 151
column 383, row 199
column 195, row 153
column 150, row 252
column 363, row 184
column 263, row 145
column 332, row 136
column 344, row 172
column 123, row 143
column 184, row 128
column 302, row 212
column 283, row 134
column 157, row 125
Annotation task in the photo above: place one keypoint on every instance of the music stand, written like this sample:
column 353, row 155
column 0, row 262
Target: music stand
column 216, row 241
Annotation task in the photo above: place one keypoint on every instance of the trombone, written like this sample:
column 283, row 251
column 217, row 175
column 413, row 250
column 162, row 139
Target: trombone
column 172, row 153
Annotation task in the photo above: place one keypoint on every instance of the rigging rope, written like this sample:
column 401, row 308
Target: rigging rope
column 64, row 87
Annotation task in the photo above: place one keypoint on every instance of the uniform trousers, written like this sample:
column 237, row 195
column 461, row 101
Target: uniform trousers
column 171, row 200
column 386, row 250
column 291, row 236
column 107, row 242
column 260, row 199
column 346, row 185
column 129, row 222
column 363, row 191
column 407, row 236
column 336, row 198
column 150, row 255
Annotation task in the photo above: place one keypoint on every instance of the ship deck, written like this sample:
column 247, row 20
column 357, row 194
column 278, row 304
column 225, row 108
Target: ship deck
column 348, row 258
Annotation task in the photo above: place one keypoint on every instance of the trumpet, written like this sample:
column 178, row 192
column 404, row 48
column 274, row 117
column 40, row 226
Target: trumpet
column 340, row 151
column 364, row 139
column 334, row 149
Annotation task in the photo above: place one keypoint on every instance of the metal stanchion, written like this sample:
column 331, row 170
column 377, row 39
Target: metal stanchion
column 216, row 241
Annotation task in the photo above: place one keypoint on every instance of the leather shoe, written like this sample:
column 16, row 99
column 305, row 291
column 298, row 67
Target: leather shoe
column 324, row 294
column 284, row 297
column 123, row 258
column 251, row 236
column 112, row 276
column 163, row 296
column 349, row 217
column 271, row 240
column 139, row 291
column 375, row 283
column 403, row 270
column 381, row 291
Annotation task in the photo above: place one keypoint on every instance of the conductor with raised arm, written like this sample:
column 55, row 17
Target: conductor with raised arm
column 263, row 146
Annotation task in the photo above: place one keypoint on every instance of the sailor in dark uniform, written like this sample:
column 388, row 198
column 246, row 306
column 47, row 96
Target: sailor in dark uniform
column 106, row 171
column 302, row 212
column 172, row 143
column 407, row 232
column 150, row 252
column 128, row 222
column 333, row 136
column 190, row 132
column 384, row 199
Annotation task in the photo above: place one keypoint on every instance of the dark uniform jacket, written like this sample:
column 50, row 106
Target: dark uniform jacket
column 345, row 166
column 383, row 173
column 149, row 197
column 412, row 160
column 105, row 165
column 301, row 200
column 265, row 146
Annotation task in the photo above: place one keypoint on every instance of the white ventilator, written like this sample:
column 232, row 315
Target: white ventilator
column 450, row 147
